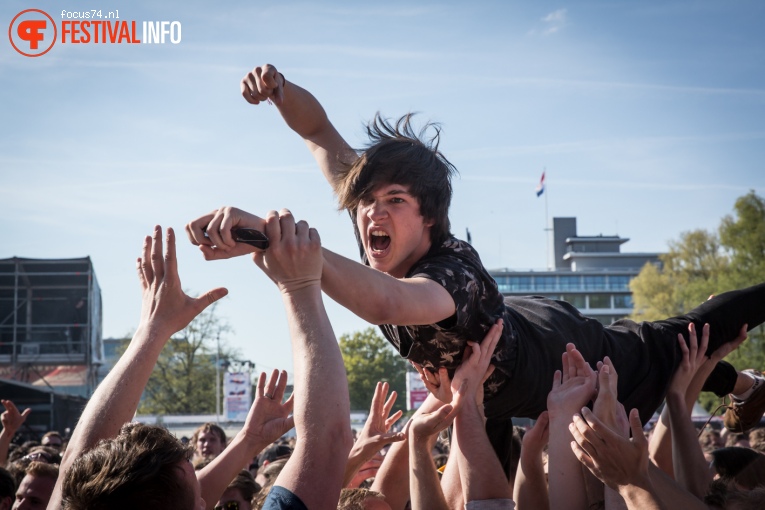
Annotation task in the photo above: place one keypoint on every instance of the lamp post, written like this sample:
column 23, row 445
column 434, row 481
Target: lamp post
column 217, row 379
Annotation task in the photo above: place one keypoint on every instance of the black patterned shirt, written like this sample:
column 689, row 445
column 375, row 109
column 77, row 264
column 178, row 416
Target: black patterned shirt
column 456, row 266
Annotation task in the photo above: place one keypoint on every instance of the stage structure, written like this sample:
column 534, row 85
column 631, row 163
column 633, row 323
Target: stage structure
column 50, row 323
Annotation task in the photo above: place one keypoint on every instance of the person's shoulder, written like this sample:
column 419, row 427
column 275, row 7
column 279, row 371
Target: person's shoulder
column 450, row 257
column 281, row 498
column 455, row 248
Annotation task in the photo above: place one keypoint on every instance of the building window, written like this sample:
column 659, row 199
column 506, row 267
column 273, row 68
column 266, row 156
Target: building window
column 600, row 301
column 577, row 300
column 595, row 283
column 570, row 283
column 622, row 301
column 619, row 282
column 515, row 284
column 544, row 283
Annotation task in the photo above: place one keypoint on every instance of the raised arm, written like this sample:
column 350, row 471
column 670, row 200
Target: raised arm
column 375, row 433
column 620, row 463
column 572, row 388
column 424, row 485
column 480, row 470
column 373, row 295
column 304, row 115
column 530, row 489
column 321, row 408
column 165, row 310
column 266, row 422
column 690, row 468
column 12, row 420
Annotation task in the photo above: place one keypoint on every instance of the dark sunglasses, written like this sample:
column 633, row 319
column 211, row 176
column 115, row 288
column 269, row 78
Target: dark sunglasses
column 39, row 457
column 249, row 236
column 230, row 505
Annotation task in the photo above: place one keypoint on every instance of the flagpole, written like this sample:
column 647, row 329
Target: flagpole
column 547, row 223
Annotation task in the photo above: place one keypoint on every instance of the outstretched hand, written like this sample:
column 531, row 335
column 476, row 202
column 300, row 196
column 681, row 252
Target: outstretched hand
column 263, row 84
column 375, row 433
column 425, row 426
column 606, row 406
column 573, row 387
column 11, row 418
column 615, row 460
column 693, row 356
column 212, row 232
column 475, row 368
column 165, row 307
column 269, row 418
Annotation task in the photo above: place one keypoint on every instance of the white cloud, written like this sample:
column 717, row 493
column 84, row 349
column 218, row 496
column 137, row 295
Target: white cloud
column 552, row 23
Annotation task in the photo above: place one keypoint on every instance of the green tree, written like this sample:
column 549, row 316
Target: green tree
column 694, row 268
column 369, row 358
column 183, row 381
column 743, row 237
column 703, row 263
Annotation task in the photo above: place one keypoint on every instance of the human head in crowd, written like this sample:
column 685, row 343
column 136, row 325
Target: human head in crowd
column 7, row 489
column 53, row 439
column 757, row 439
column 239, row 493
column 45, row 454
column 730, row 461
column 710, row 439
column 36, row 487
column 741, row 440
column 143, row 463
column 266, row 478
column 274, row 452
column 208, row 441
column 361, row 499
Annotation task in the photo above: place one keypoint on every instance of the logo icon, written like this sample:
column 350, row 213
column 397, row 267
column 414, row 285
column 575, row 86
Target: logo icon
column 32, row 32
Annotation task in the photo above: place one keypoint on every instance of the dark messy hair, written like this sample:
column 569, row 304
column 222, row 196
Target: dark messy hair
column 398, row 155
column 140, row 468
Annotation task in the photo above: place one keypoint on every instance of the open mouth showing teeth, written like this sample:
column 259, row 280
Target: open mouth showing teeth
column 379, row 240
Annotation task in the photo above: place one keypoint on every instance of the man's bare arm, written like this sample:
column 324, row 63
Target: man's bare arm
column 304, row 115
column 315, row 470
column 165, row 310
column 371, row 294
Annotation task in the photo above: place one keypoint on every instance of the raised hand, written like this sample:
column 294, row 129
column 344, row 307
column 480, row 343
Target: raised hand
column 615, row 460
column 606, row 406
column 269, row 418
column 263, row 84
column 437, row 383
column 573, row 387
column 373, row 436
column 693, row 356
column 375, row 433
column 475, row 367
column 294, row 258
column 11, row 418
column 165, row 307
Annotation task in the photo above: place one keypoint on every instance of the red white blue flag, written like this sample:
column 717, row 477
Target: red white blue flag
column 541, row 186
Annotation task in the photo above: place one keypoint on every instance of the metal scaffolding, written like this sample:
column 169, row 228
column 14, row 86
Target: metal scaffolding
column 50, row 316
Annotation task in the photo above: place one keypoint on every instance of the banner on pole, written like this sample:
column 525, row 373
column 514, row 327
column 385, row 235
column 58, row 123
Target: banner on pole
column 238, row 391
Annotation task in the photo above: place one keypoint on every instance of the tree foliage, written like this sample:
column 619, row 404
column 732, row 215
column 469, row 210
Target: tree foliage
column 369, row 358
column 703, row 263
column 183, row 381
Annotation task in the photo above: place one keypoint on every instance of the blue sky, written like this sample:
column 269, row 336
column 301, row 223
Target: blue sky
column 647, row 115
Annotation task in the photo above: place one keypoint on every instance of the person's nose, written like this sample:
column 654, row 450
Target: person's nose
column 377, row 210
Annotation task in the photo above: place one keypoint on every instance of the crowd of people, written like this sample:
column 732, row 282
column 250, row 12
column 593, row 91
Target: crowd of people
column 483, row 358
